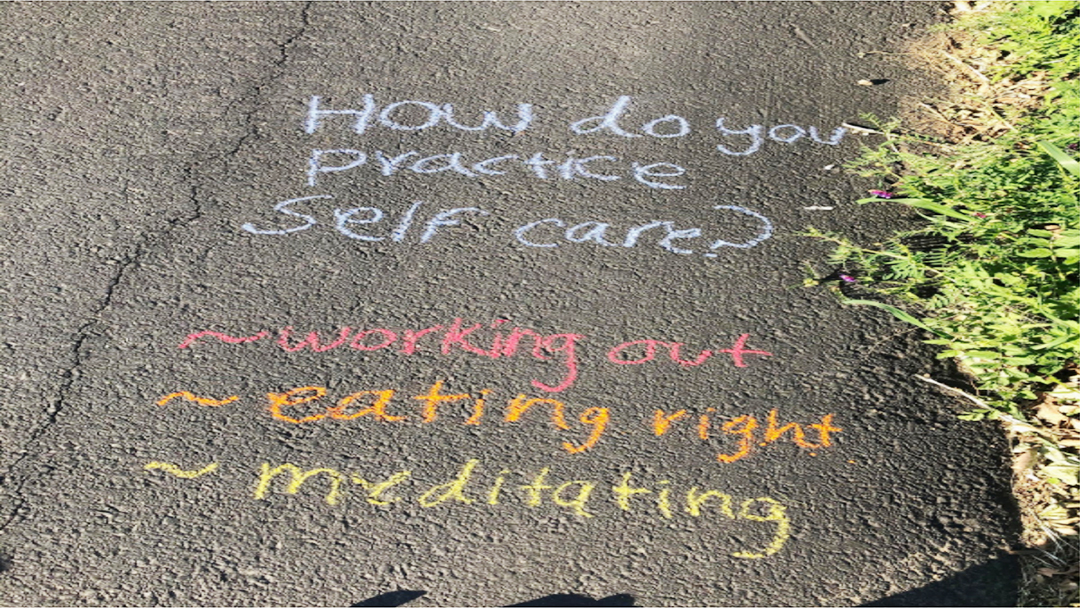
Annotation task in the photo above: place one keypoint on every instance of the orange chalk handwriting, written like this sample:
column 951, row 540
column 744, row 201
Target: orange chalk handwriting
column 749, row 432
column 824, row 429
column 662, row 421
column 773, row 432
column 434, row 398
column 703, row 424
column 747, row 428
column 597, row 418
column 376, row 410
column 305, row 404
column 478, row 408
column 521, row 404
column 743, row 425
column 281, row 400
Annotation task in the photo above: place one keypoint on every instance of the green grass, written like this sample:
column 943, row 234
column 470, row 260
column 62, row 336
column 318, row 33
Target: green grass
column 993, row 271
column 991, row 276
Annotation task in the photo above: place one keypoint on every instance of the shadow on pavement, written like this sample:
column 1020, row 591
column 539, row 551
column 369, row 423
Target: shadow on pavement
column 572, row 599
column 394, row 598
column 400, row 598
column 983, row 585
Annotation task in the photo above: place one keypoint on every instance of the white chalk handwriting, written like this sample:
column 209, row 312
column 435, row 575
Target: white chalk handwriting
column 423, row 115
column 542, row 233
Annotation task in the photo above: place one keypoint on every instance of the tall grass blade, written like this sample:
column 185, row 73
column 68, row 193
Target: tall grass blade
column 1069, row 164
column 922, row 203
column 896, row 312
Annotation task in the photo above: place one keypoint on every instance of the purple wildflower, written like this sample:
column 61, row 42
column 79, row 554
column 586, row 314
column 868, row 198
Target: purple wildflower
column 981, row 216
column 882, row 193
column 1072, row 146
column 847, row 278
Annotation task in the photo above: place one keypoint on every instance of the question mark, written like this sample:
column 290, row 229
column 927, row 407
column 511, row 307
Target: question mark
column 766, row 230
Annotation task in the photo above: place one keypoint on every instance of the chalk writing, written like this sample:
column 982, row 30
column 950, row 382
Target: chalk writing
column 648, row 349
column 495, row 340
column 410, row 115
column 596, row 233
column 223, row 337
column 200, row 400
column 537, row 233
column 727, row 431
column 740, row 436
column 172, row 469
column 391, row 115
column 365, row 223
column 565, row 167
column 473, row 485
column 744, row 426
column 673, row 125
column 345, row 220
column 787, row 134
column 577, row 496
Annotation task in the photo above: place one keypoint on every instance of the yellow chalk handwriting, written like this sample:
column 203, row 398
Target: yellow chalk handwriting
column 573, row 495
column 777, row 514
column 577, row 503
column 536, row 488
column 624, row 491
column 695, row 500
column 451, row 490
column 186, row 396
column 375, row 490
column 175, row 470
column 299, row 476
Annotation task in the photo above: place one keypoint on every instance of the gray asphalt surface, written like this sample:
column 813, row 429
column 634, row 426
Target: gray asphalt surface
column 147, row 148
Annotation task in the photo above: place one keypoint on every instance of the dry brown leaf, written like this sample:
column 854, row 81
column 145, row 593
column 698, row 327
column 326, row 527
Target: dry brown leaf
column 1049, row 413
column 1024, row 461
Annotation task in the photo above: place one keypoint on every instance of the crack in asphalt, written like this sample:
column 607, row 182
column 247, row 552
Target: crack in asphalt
column 143, row 246
column 78, row 354
column 256, row 90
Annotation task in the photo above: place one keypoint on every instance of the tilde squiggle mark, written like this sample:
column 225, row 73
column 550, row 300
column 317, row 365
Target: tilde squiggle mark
column 192, row 338
column 175, row 470
column 186, row 396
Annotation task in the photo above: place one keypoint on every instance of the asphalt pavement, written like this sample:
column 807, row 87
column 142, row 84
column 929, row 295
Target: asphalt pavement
column 456, row 303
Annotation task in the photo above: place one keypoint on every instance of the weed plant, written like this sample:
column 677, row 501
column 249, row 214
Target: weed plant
column 992, row 273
